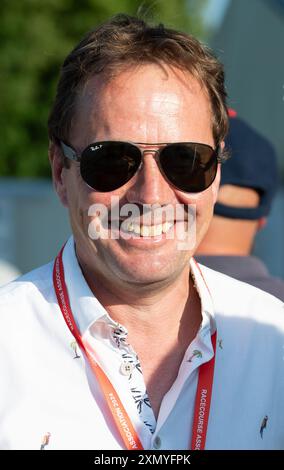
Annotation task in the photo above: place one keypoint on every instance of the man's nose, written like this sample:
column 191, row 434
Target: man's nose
column 149, row 186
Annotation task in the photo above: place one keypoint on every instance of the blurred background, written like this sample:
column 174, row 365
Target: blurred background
column 248, row 37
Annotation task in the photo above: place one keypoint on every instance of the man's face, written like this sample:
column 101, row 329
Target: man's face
column 140, row 105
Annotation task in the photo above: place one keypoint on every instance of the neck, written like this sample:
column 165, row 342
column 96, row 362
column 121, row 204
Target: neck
column 171, row 314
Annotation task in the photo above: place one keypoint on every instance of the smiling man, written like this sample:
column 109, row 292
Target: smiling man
column 168, row 354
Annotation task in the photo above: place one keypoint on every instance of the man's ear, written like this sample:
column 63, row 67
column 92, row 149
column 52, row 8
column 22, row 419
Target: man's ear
column 216, row 182
column 58, row 169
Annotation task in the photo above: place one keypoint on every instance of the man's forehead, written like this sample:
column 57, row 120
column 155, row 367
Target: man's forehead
column 150, row 81
column 144, row 104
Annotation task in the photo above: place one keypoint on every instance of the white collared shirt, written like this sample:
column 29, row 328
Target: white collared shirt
column 50, row 399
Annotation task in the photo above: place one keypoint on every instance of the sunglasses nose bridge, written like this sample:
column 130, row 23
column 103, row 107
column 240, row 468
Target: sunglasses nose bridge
column 150, row 186
column 154, row 151
column 156, row 155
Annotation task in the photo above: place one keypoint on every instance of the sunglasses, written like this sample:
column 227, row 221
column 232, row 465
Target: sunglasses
column 105, row 166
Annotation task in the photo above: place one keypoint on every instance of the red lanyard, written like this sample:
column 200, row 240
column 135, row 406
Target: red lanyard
column 119, row 414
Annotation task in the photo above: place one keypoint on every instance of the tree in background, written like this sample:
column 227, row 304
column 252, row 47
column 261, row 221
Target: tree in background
column 35, row 37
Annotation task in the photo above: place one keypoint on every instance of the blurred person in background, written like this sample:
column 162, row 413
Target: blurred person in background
column 126, row 342
column 249, row 181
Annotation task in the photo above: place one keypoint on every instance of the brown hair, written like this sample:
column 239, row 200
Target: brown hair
column 124, row 41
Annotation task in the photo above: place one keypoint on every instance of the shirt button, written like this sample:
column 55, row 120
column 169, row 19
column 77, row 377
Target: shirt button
column 157, row 442
column 126, row 368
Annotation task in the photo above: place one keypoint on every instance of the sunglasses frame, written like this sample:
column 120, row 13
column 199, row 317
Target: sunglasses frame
column 71, row 154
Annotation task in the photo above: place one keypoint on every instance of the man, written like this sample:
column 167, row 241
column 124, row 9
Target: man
column 248, row 185
column 170, row 355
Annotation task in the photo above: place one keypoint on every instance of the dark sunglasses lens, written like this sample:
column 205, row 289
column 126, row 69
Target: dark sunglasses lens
column 189, row 167
column 106, row 166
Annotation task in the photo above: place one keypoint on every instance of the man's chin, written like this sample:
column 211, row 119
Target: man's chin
column 149, row 271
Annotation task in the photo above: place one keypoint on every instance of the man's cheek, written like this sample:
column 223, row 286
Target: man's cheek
column 97, row 221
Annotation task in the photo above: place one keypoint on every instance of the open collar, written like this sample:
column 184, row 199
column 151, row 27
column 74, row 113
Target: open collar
column 87, row 309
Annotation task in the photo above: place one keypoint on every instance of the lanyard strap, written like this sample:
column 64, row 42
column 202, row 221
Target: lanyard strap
column 119, row 414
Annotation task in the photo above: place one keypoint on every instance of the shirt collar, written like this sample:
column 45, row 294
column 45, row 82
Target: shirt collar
column 207, row 306
column 85, row 306
column 87, row 309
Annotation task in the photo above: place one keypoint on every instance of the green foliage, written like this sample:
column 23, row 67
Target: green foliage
column 35, row 37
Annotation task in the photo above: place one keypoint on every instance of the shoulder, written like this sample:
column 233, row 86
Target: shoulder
column 30, row 315
column 273, row 285
column 236, row 298
column 30, row 290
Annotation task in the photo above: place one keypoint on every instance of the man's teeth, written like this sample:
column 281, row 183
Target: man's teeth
column 149, row 231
